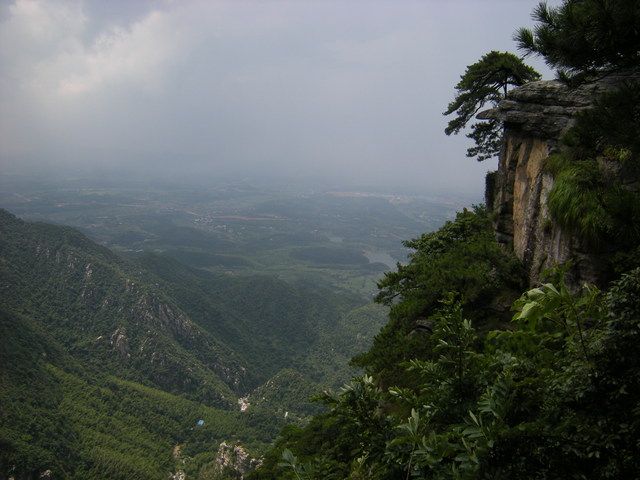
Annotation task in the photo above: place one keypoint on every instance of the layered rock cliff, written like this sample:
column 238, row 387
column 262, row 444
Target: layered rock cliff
column 535, row 116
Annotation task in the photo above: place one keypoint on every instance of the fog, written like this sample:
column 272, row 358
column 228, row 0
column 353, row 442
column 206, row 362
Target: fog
column 345, row 90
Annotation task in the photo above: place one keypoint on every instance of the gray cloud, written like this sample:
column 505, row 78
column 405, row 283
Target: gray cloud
column 351, row 89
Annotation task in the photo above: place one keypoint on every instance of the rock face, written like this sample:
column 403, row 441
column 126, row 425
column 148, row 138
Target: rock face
column 233, row 457
column 120, row 343
column 535, row 116
column 545, row 109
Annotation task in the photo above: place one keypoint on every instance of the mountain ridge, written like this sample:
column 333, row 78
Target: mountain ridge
column 115, row 342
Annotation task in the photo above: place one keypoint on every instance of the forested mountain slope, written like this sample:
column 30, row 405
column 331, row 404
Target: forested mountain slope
column 81, row 422
column 108, row 315
column 269, row 322
column 112, row 361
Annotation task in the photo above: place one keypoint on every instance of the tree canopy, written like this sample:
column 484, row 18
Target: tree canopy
column 486, row 82
column 585, row 37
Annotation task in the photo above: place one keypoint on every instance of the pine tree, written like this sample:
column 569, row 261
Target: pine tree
column 486, row 82
column 585, row 38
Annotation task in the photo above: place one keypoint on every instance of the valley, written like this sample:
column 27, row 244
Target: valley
column 234, row 305
column 329, row 234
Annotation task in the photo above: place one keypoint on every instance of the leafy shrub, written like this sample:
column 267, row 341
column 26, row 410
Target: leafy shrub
column 592, row 194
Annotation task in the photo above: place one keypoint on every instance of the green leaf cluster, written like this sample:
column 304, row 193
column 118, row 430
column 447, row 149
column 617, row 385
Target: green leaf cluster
column 553, row 396
column 486, row 82
column 462, row 256
column 583, row 38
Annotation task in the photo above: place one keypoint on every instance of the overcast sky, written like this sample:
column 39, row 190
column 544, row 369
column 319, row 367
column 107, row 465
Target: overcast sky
column 351, row 89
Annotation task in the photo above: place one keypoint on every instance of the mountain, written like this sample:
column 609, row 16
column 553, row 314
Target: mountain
column 269, row 322
column 108, row 363
column 109, row 315
column 78, row 422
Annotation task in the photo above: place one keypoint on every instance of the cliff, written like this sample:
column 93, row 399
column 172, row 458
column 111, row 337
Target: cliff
column 535, row 116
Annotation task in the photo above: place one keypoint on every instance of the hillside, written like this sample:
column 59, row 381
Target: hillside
column 108, row 315
column 79, row 422
column 132, row 352
column 511, row 346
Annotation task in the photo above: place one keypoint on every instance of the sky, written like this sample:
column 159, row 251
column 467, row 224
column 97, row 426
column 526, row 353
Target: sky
column 350, row 90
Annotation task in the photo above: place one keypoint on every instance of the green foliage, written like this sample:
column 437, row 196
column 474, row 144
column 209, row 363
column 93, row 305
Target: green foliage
column 556, row 396
column 287, row 393
column 486, row 82
column 590, row 196
column 487, row 137
column 76, row 403
column 577, row 200
column 462, row 256
column 82, row 293
column 611, row 128
column 80, row 424
column 269, row 323
column 352, row 433
column 454, row 338
column 585, row 37
column 475, row 265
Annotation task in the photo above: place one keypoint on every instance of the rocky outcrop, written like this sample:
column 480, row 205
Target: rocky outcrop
column 545, row 109
column 120, row 343
column 234, row 458
column 535, row 116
